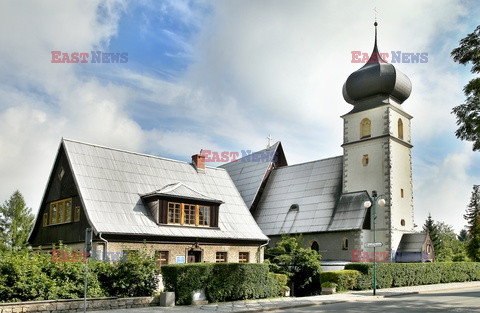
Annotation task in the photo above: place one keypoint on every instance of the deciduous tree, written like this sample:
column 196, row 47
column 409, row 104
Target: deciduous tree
column 468, row 113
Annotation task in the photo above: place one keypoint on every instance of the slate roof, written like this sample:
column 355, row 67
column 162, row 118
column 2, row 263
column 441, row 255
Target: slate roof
column 111, row 183
column 412, row 242
column 249, row 172
column 316, row 188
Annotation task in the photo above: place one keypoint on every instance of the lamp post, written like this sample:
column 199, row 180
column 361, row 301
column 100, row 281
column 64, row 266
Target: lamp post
column 367, row 204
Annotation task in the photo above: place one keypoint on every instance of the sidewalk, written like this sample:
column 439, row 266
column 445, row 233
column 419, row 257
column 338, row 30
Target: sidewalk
column 292, row 302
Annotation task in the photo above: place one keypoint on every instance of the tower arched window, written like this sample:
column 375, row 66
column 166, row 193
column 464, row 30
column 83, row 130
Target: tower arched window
column 315, row 246
column 365, row 128
column 400, row 128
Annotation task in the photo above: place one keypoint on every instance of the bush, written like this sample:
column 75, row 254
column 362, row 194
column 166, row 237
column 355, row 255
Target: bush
column 345, row 279
column 414, row 274
column 222, row 281
column 301, row 265
column 27, row 276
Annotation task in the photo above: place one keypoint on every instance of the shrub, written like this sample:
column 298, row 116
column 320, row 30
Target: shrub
column 222, row 281
column 413, row 274
column 329, row 284
column 301, row 265
column 345, row 279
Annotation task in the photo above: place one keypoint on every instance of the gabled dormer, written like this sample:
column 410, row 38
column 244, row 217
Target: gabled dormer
column 179, row 204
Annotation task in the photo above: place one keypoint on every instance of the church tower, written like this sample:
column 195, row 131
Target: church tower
column 377, row 146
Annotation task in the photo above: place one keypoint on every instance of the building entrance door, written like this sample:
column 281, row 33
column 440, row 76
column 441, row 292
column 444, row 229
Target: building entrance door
column 194, row 256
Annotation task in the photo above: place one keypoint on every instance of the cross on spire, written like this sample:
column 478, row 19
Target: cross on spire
column 269, row 143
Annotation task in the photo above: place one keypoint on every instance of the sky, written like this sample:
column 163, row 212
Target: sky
column 222, row 76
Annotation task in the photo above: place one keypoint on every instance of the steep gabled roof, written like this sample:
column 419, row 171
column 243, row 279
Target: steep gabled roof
column 412, row 242
column 249, row 172
column 110, row 183
column 302, row 198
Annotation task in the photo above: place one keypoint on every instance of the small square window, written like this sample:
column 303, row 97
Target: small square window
column 243, row 257
column 61, row 173
column 162, row 258
column 221, row 257
column 365, row 160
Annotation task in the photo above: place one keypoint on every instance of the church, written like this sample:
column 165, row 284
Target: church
column 187, row 212
column 326, row 201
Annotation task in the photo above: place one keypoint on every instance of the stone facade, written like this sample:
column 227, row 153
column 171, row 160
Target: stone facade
column 76, row 305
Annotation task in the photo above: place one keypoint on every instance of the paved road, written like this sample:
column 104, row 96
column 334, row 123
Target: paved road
column 464, row 300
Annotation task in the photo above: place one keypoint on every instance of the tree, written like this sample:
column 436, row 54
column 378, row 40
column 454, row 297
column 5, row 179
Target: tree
column 301, row 265
column 473, row 219
column 430, row 227
column 16, row 221
column 449, row 247
column 463, row 236
column 468, row 113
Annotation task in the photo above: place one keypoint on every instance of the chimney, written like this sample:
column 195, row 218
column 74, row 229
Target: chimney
column 198, row 161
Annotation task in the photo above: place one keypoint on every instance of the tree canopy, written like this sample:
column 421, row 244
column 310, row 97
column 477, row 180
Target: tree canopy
column 468, row 113
column 16, row 221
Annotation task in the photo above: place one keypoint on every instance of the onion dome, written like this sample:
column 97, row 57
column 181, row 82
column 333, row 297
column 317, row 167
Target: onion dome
column 376, row 78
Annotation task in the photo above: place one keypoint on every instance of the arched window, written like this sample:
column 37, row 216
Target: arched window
column 315, row 246
column 400, row 128
column 365, row 128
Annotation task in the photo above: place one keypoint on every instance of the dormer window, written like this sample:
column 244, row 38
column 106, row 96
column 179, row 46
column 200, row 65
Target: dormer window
column 178, row 204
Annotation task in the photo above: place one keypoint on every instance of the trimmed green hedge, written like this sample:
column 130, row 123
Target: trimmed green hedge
column 222, row 281
column 345, row 279
column 27, row 276
column 414, row 274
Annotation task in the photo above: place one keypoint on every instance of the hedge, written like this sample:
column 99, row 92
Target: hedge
column 414, row 274
column 27, row 276
column 345, row 279
column 222, row 281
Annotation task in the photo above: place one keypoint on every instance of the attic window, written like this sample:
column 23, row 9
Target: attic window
column 402, row 222
column 294, row 207
column 61, row 173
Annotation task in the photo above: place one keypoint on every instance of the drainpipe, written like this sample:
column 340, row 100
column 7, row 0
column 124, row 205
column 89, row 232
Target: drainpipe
column 105, row 250
column 260, row 249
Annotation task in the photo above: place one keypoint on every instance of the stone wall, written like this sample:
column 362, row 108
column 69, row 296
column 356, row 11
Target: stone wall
column 76, row 305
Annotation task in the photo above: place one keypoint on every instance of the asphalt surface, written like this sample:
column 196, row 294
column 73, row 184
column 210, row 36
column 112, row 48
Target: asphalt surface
column 420, row 298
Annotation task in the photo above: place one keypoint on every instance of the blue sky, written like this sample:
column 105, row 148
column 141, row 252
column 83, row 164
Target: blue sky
column 222, row 75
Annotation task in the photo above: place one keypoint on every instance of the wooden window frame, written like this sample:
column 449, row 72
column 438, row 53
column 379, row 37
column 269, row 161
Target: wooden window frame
column 189, row 214
column 161, row 257
column 243, row 257
column 76, row 214
column 221, row 257
column 60, row 209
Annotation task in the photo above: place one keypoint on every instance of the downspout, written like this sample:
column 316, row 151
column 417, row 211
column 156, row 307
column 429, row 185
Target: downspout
column 260, row 249
column 105, row 249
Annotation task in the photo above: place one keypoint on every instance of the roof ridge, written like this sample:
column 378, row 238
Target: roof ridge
column 298, row 164
column 130, row 152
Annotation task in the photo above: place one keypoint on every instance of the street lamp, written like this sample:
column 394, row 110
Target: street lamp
column 367, row 204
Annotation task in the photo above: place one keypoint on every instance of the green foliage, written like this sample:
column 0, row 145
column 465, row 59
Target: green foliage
column 414, row 274
column 16, row 221
column 329, row 284
column 345, row 279
column 468, row 113
column 449, row 247
column 473, row 219
column 301, row 265
column 27, row 275
column 222, row 281
column 186, row 278
column 431, row 228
